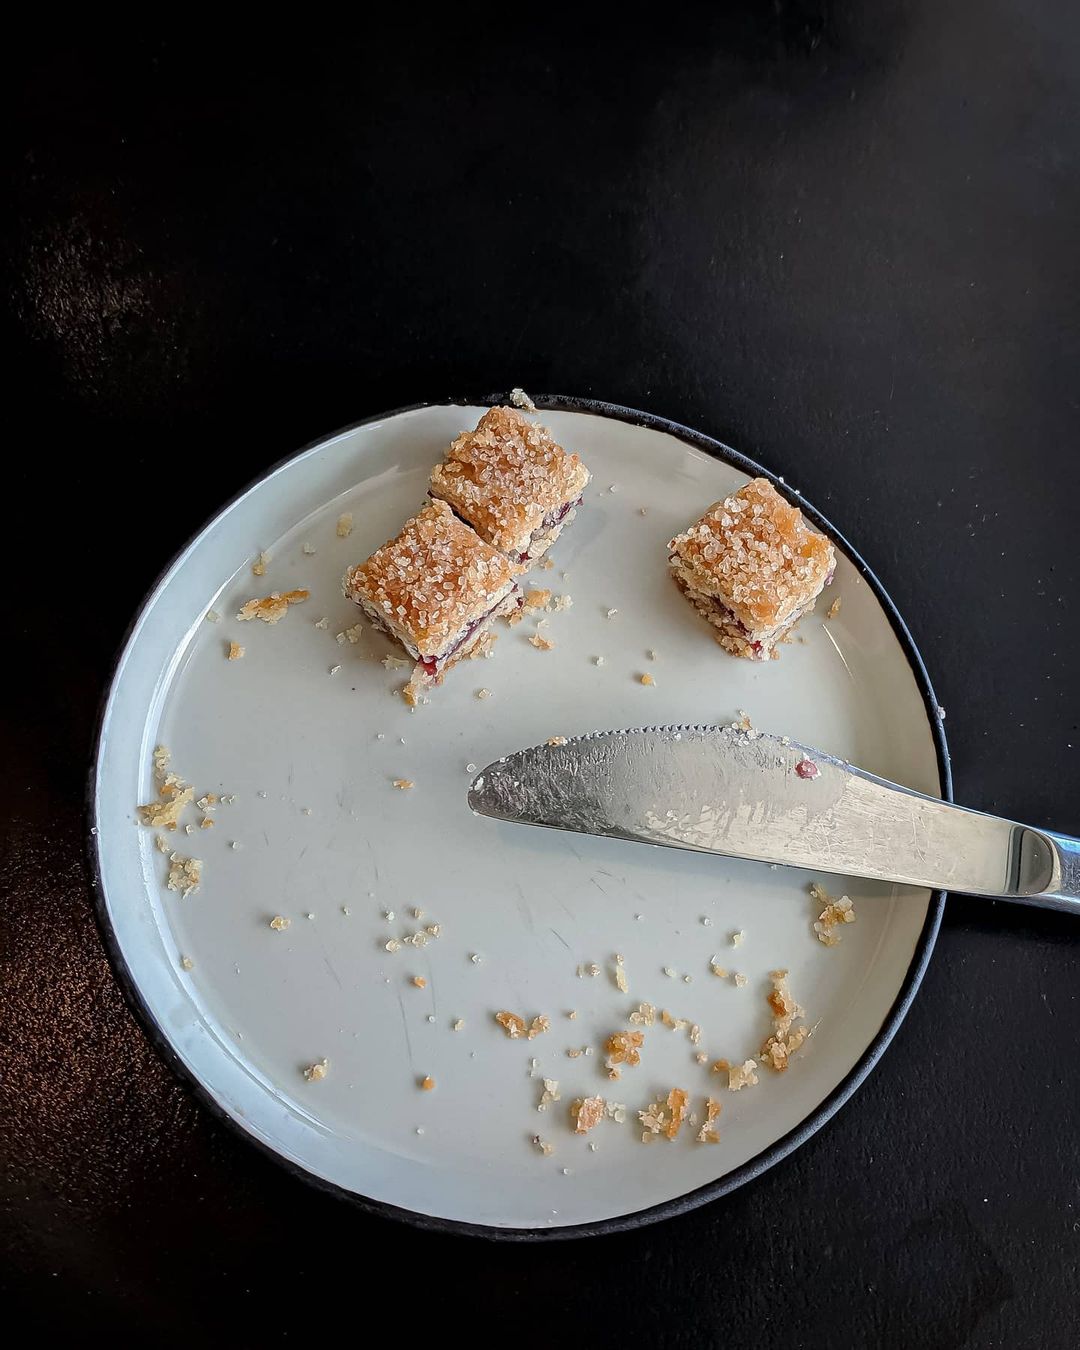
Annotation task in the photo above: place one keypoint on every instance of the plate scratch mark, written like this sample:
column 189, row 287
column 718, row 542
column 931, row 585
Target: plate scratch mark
column 330, row 970
column 561, row 938
column 405, row 1028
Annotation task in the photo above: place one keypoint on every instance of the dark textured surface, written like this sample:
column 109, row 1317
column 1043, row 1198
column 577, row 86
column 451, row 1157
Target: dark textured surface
column 845, row 239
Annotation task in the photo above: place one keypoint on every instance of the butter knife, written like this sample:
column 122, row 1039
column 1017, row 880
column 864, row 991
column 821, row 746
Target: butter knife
column 744, row 794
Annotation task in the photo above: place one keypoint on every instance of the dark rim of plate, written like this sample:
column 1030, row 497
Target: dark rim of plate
column 703, row 1194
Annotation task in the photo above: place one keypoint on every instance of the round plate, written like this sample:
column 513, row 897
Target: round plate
column 308, row 733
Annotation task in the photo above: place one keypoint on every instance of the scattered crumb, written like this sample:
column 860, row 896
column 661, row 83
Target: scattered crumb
column 356, row 632
column 235, row 652
column 162, row 844
column 701, row 1057
column 516, row 1027
column 258, row 567
column 271, row 607
column 665, row 1118
column 344, row 524
column 520, row 399
column 586, row 1113
column 835, row 913
column 314, row 1072
column 556, row 740
column 392, row 945
column 718, row 970
column 324, row 622
column 537, row 599
column 166, row 813
column 739, row 1075
column 669, row 972
column 184, row 874
column 419, row 981
column 212, row 616
column 834, row 608
column 542, row 1144
column 785, row 1040
column 644, row 1016
column 562, row 602
column 941, row 713
column 598, row 660
column 308, row 549
column 572, row 1015
column 187, row 963
column 476, row 958
column 396, row 662
column 619, row 975
column 334, row 669
column 736, row 938
column 622, row 1047
column 279, row 923
column 547, row 564
column 611, row 613
column 708, row 1133
column 426, row 1083
column 207, row 823
column 741, row 980
column 646, row 678
column 403, row 784
column 483, row 693
column 459, row 1025
column 541, row 643
column 550, row 1094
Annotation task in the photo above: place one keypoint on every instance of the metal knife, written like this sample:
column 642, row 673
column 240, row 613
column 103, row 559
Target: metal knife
column 744, row 794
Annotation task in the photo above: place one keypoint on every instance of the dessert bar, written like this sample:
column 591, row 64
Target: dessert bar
column 512, row 483
column 753, row 567
column 436, row 588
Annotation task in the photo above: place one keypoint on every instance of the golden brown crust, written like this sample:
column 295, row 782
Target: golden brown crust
column 755, row 553
column 432, row 581
column 506, row 476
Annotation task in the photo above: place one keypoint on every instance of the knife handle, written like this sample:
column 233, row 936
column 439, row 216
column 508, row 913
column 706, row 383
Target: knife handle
column 1065, row 882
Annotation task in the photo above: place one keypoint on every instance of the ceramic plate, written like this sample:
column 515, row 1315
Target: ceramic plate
column 307, row 733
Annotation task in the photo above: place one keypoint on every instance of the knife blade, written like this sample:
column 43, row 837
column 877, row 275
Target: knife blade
column 744, row 794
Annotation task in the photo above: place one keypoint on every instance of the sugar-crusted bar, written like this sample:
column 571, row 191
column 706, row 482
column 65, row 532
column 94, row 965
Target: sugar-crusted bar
column 512, row 483
column 436, row 588
column 753, row 567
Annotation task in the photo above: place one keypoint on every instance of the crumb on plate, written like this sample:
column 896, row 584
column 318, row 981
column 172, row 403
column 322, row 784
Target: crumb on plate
column 270, row 608
column 185, row 874
column 708, row 1134
column 314, row 1072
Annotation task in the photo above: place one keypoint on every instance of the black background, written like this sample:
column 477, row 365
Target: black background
column 844, row 238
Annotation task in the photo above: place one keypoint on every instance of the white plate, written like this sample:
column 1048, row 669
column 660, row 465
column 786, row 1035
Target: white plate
column 327, row 841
